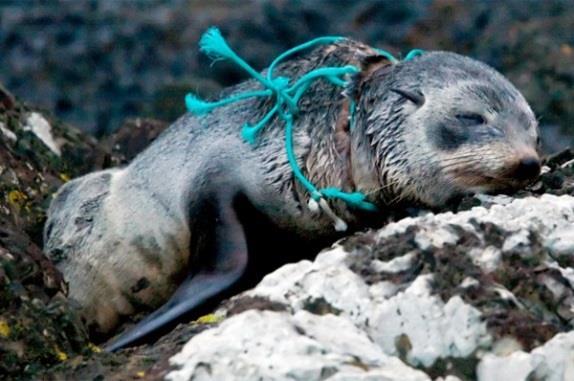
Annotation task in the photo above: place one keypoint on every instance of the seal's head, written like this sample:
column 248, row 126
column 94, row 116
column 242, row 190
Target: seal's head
column 442, row 125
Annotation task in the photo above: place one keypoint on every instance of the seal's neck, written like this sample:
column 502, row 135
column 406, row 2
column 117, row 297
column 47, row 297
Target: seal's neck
column 341, row 154
column 377, row 150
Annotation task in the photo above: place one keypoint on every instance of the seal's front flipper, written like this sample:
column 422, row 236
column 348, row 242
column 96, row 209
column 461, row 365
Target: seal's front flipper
column 229, row 261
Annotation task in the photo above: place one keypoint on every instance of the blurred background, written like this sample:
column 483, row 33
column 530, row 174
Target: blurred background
column 95, row 62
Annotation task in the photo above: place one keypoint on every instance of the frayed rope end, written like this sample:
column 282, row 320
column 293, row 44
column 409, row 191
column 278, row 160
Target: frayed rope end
column 214, row 45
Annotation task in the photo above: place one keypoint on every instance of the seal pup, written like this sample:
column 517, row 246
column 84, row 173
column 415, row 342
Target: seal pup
column 189, row 216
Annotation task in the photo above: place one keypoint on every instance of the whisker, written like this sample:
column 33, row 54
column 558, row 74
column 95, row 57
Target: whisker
column 397, row 199
column 446, row 160
column 383, row 187
column 458, row 164
column 465, row 162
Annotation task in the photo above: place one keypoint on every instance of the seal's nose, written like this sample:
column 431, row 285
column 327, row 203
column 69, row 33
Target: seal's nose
column 528, row 168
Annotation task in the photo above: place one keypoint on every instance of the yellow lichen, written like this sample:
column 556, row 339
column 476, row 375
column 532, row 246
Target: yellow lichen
column 4, row 329
column 94, row 348
column 208, row 319
column 140, row 374
column 64, row 177
column 62, row 356
column 16, row 197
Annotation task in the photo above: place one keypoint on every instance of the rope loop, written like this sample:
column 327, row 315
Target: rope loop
column 287, row 97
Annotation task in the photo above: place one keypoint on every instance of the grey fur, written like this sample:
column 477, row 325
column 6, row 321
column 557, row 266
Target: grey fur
column 115, row 231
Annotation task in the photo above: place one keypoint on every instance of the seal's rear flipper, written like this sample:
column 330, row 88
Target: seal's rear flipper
column 229, row 264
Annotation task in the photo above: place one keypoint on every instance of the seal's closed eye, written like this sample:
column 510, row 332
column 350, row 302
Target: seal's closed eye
column 470, row 119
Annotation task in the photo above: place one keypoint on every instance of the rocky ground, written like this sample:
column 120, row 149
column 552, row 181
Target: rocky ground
column 38, row 154
column 483, row 294
column 484, row 291
column 37, row 327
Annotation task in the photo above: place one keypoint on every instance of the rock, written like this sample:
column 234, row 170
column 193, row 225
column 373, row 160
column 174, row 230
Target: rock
column 130, row 139
column 37, row 155
column 36, row 123
column 452, row 294
column 38, row 328
column 553, row 361
column 264, row 345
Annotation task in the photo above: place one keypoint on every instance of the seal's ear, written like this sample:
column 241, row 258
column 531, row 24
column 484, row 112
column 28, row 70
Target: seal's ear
column 415, row 96
column 342, row 129
column 369, row 64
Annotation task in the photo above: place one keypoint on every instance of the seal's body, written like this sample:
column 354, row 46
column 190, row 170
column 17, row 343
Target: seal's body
column 424, row 131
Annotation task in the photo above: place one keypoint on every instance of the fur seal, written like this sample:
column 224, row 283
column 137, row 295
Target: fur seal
column 189, row 216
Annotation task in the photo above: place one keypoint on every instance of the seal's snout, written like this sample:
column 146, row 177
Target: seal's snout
column 527, row 168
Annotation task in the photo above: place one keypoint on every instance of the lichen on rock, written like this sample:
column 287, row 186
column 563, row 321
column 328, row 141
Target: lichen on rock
column 38, row 327
column 450, row 294
column 276, row 346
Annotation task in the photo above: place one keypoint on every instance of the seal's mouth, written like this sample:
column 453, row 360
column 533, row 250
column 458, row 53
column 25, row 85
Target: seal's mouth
column 492, row 183
column 512, row 175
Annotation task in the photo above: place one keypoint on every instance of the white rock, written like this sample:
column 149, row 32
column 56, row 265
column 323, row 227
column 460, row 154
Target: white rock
column 395, row 265
column 553, row 361
column 469, row 282
column 434, row 329
column 556, row 358
column 377, row 321
column 516, row 240
column 282, row 283
column 263, row 345
column 500, row 199
column 515, row 367
column 11, row 136
column 441, row 236
column 561, row 241
column 505, row 346
column 545, row 214
column 36, row 123
column 383, row 290
column 448, row 378
column 325, row 279
column 567, row 273
column 488, row 259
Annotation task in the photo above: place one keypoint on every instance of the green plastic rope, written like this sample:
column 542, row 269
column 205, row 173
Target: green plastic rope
column 387, row 55
column 413, row 53
column 287, row 98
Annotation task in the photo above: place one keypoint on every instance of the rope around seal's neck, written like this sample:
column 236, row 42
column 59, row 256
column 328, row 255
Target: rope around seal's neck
column 287, row 97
